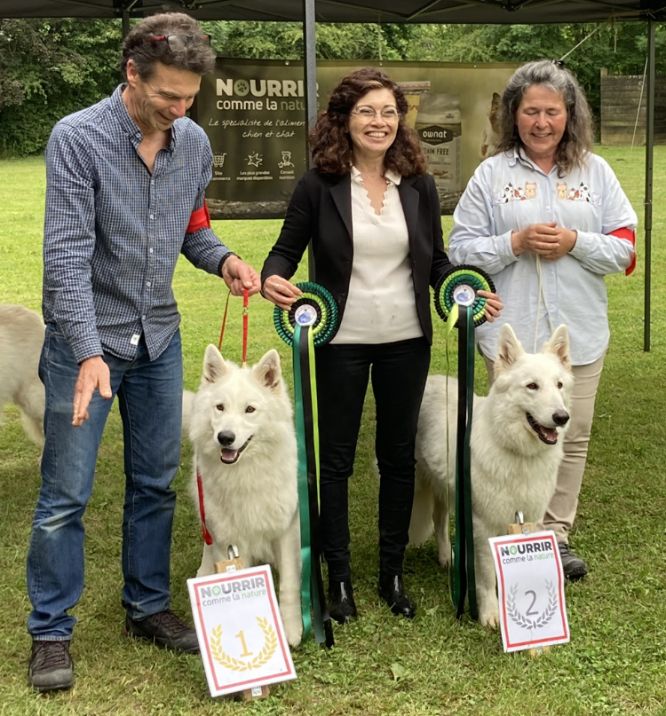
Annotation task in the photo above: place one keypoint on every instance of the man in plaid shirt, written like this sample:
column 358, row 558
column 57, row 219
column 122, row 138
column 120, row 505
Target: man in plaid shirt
column 125, row 197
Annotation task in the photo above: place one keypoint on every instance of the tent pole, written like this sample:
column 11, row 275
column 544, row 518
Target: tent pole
column 649, row 171
column 310, row 68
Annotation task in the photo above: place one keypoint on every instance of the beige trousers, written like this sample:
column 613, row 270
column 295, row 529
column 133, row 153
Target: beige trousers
column 561, row 511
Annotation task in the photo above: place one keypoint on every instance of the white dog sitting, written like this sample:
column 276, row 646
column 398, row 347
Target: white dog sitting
column 241, row 427
column 516, row 449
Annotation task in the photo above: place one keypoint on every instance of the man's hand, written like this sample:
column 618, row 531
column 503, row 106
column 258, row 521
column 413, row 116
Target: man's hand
column 546, row 240
column 93, row 375
column 238, row 276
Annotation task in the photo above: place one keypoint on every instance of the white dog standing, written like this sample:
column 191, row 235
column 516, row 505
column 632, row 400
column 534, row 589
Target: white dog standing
column 516, row 449
column 241, row 427
column 21, row 339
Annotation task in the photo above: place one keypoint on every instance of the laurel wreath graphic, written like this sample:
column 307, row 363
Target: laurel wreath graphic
column 521, row 619
column 233, row 664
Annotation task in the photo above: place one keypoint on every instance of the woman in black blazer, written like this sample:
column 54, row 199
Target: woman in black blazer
column 372, row 217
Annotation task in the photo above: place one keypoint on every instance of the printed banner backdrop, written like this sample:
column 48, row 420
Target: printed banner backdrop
column 254, row 114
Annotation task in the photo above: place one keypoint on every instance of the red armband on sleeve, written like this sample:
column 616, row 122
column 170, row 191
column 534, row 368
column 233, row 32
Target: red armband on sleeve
column 200, row 219
column 630, row 235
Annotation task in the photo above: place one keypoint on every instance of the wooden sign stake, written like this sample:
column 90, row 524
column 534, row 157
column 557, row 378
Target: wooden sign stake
column 520, row 527
column 233, row 564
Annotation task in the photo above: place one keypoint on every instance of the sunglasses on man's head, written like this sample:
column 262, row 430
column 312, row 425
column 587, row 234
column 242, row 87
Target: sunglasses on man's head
column 179, row 42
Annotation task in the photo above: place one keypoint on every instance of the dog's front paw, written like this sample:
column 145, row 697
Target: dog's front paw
column 490, row 621
column 489, row 613
column 293, row 627
column 444, row 555
column 291, row 619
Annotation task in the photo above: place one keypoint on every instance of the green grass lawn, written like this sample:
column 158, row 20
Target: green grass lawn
column 616, row 661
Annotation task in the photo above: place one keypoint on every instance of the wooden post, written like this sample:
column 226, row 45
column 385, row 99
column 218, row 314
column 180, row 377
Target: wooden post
column 233, row 564
column 520, row 527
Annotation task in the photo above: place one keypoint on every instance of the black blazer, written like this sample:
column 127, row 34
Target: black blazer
column 320, row 212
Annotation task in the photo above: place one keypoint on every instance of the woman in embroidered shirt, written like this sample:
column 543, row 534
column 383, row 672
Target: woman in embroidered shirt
column 373, row 217
column 548, row 219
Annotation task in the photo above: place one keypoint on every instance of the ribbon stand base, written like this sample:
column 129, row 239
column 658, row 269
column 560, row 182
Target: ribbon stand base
column 233, row 564
column 519, row 527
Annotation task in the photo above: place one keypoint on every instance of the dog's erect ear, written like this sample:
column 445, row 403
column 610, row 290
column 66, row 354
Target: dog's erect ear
column 509, row 349
column 214, row 366
column 558, row 344
column 268, row 371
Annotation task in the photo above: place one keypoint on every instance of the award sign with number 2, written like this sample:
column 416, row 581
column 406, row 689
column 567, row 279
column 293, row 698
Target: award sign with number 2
column 530, row 588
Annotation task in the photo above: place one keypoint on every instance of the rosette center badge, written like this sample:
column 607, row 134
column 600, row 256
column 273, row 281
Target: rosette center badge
column 305, row 315
column 464, row 295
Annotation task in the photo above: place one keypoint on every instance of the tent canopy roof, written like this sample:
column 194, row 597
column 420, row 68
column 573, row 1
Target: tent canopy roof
column 414, row 11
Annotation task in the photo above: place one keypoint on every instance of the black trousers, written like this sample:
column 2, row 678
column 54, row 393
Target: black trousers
column 398, row 372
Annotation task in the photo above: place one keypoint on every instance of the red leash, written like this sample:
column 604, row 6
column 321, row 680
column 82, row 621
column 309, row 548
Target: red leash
column 207, row 537
column 246, row 321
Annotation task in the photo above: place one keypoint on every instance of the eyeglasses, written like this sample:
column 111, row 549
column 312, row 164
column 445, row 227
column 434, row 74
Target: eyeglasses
column 390, row 114
column 177, row 43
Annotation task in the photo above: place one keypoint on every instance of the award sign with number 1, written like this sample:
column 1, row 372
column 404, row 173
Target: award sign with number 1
column 241, row 636
column 530, row 589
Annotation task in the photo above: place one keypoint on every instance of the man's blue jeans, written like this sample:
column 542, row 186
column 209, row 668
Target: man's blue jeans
column 150, row 399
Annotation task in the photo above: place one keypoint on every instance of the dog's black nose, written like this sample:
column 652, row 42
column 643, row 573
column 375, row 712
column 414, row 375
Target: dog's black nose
column 560, row 417
column 226, row 437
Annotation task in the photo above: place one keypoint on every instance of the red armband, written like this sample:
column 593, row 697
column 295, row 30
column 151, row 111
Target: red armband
column 200, row 219
column 630, row 235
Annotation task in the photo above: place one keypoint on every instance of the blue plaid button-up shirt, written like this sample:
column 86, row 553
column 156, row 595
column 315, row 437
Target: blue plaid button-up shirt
column 113, row 231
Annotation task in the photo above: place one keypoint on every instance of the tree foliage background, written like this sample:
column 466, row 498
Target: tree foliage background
column 49, row 68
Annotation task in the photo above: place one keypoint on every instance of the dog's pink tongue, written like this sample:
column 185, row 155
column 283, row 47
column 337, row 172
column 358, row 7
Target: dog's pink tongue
column 550, row 434
column 228, row 455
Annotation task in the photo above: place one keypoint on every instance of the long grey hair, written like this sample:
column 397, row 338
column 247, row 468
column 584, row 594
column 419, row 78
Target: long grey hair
column 577, row 139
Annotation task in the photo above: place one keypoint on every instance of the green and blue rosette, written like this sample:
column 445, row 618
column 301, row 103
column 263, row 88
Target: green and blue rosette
column 310, row 322
column 459, row 287
column 315, row 308
column 458, row 304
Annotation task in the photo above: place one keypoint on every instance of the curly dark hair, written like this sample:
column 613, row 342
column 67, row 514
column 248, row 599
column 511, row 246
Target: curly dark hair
column 145, row 46
column 332, row 150
column 577, row 139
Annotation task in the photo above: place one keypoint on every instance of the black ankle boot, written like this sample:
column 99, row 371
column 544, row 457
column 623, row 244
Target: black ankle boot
column 341, row 605
column 392, row 591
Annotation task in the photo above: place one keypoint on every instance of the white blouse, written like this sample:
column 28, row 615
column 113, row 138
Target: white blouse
column 381, row 306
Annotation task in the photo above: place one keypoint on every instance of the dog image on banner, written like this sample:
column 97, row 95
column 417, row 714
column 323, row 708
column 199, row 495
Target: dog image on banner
column 516, row 449
column 244, row 483
column 491, row 130
column 21, row 339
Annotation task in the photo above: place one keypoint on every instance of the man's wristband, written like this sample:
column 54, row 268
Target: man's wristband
column 224, row 258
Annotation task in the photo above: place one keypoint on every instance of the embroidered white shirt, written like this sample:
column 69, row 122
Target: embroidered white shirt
column 506, row 193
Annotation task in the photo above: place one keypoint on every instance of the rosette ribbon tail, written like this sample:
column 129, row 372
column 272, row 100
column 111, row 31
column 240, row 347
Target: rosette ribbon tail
column 463, row 582
column 457, row 301
column 311, row 321
column 313, row 601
